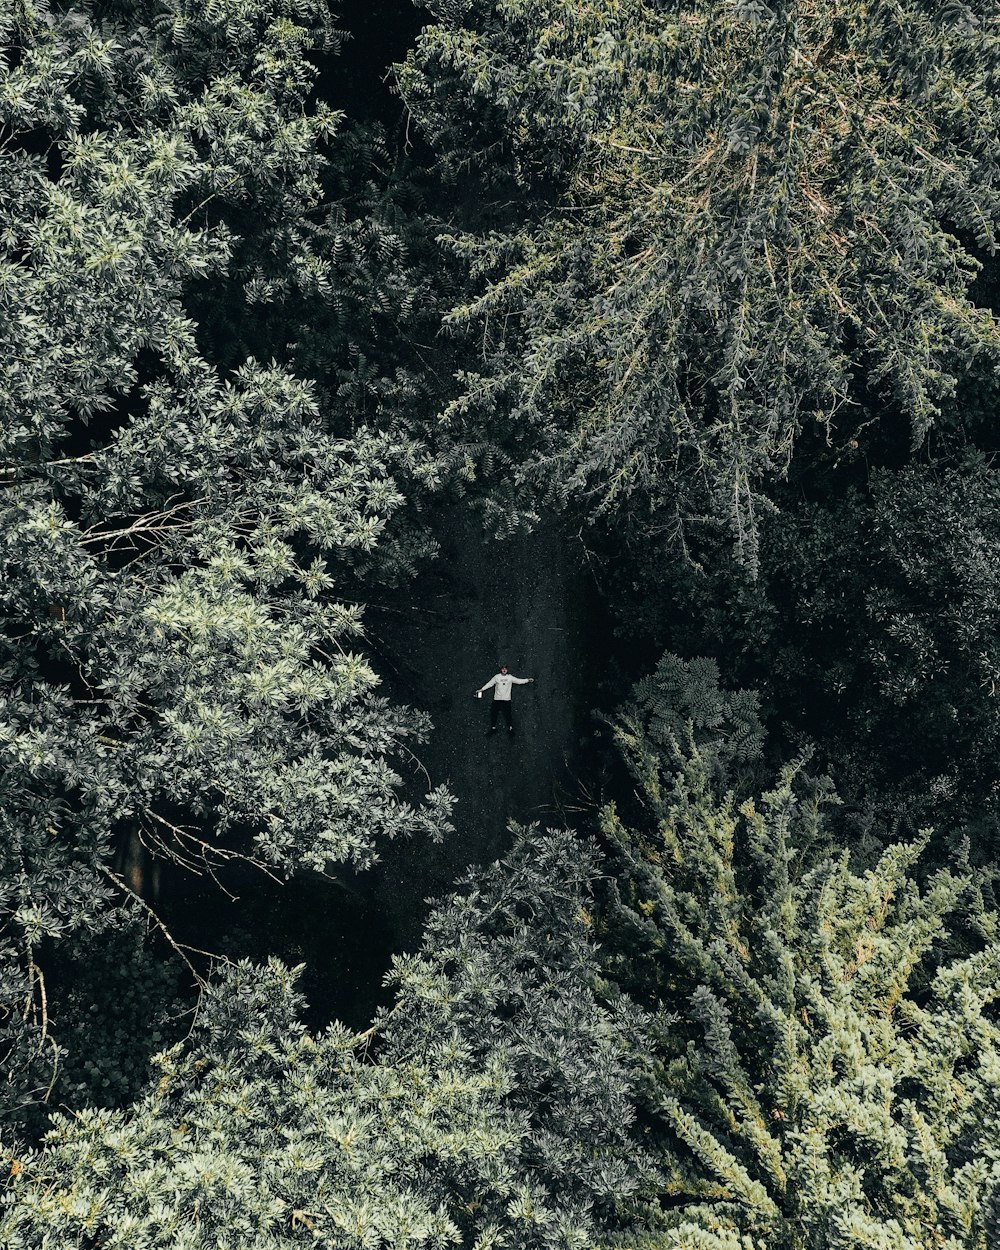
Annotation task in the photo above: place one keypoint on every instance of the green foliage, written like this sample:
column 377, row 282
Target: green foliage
column 869, row 632
column 181, row 646
column 737, row 221
column 882, row 615
column 113, row 1002
column 681, row 702
column 828, row 1074
column 496, row 1110
column 693, row 232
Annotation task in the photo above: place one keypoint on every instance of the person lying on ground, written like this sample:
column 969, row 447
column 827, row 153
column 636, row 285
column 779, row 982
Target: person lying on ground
column 501, row 705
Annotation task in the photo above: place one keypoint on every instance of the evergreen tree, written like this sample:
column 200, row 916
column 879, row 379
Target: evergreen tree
column 828, row 1072
column 491, row 1106
column 728, row 222
column 180, row 671
column 870, row 633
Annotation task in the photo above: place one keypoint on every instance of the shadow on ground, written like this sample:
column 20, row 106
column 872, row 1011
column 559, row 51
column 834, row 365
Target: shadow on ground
column 525, row 601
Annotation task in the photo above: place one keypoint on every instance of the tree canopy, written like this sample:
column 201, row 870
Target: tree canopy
column 178, row 665
column 745, row 219
column 827, row 1073
column 497, row 1111
column 709, row 291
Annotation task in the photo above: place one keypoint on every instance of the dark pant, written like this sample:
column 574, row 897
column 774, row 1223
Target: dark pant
column 501, row 707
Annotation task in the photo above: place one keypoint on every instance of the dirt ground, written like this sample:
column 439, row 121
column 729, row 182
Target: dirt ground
column 527, row 602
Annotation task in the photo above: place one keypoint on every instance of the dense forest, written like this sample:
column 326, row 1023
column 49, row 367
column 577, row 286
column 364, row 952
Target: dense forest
column 350, row 351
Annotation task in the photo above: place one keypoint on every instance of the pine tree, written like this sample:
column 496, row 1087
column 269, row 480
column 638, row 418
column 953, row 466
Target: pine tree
column 827, row 1066
column 731, row 222
column 492, row 1105
column 181, row 667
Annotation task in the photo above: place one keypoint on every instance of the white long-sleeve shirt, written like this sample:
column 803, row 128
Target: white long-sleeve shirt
column 502, row 683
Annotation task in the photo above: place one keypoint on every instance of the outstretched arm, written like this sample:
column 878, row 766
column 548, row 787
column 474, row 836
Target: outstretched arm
column 521, row 681
column 492, row 682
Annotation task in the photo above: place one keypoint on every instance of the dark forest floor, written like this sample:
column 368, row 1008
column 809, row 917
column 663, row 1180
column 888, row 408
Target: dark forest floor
column 524, row 601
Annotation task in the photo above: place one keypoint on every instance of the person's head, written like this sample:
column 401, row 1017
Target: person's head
column 503, row 668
